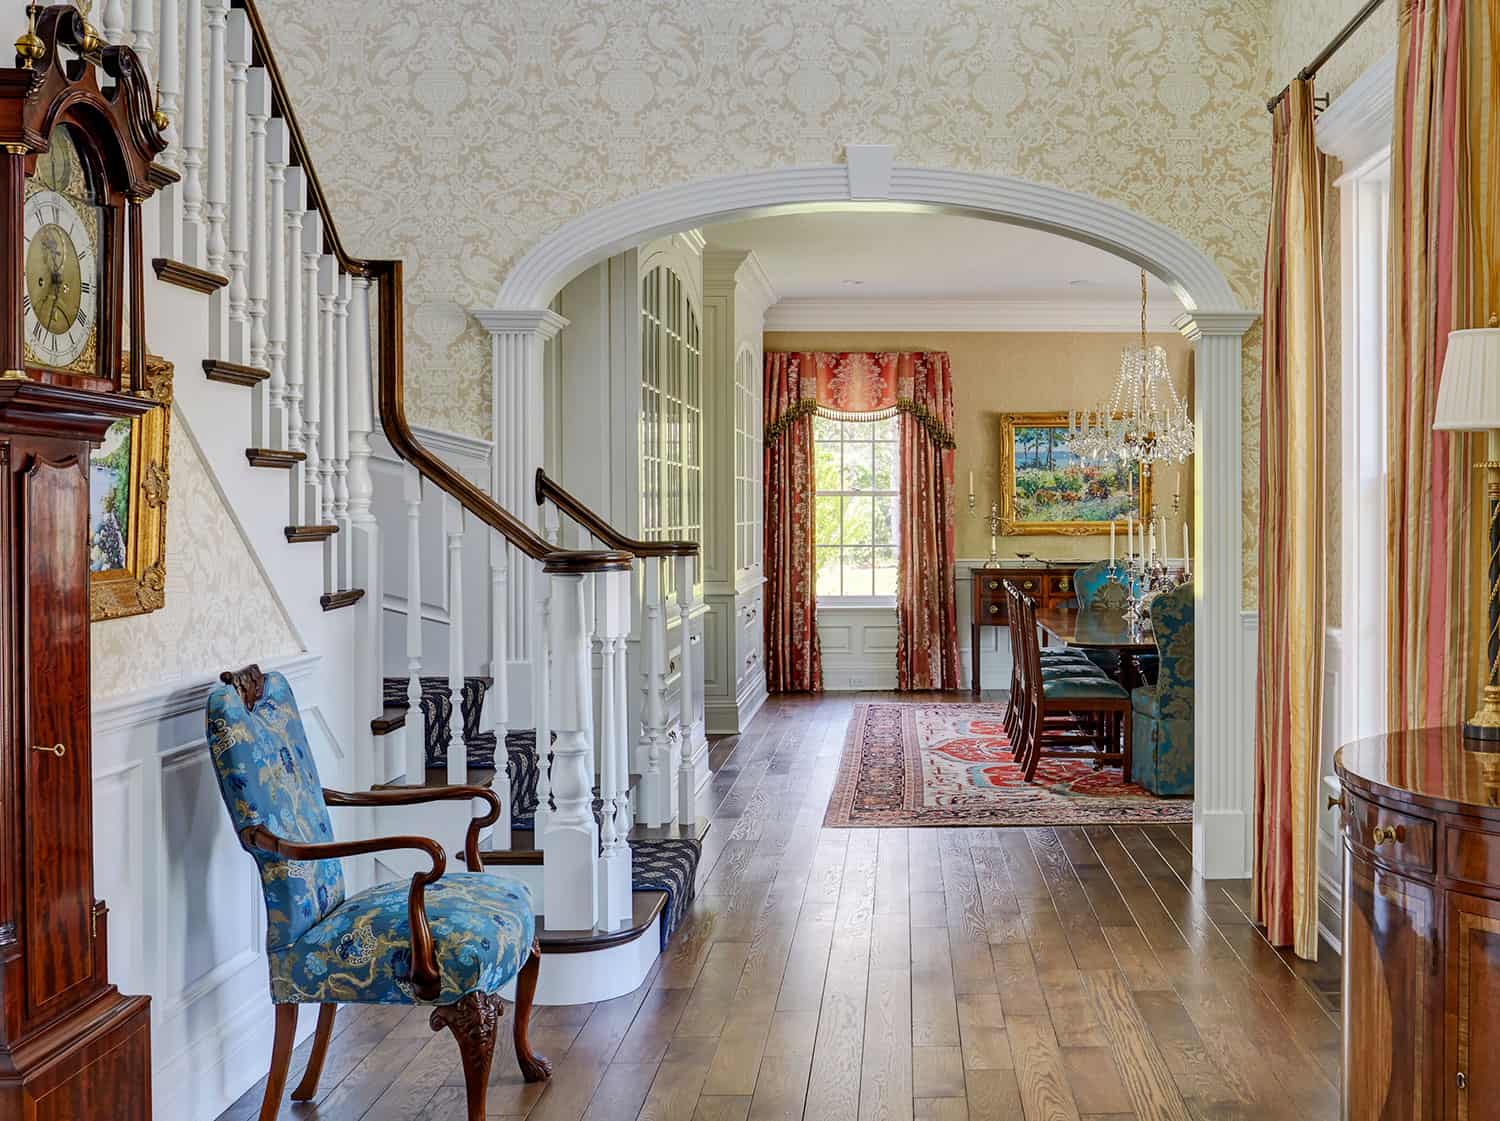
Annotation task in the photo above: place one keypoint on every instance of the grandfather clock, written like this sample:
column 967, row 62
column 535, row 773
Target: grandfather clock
column 78, row 134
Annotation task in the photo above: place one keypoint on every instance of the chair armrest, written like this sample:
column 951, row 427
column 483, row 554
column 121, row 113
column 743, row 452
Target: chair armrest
column 416, row 795
column 426, row 981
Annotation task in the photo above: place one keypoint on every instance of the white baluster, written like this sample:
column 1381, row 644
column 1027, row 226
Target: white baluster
column 193, row 233
column 361, row 410
column 169, row 90
column 688, row 696
column 328, row 279
column 571, row 842
column 312, row 356
column 327, row 389
column 656, row 780
column 497, row 700
column 344, row 293
column 416, row 747
column 296, row 202
column 114, row 21
column 142, row 33
column 278, row 154
column 215, row 17
column 258, row 113
column 612, row 626
column 541, row 705
column 623, row 820
column 458, row 753
column 237, row 48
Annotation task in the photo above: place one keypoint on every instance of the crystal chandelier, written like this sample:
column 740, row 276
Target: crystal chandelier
column 1144, row 422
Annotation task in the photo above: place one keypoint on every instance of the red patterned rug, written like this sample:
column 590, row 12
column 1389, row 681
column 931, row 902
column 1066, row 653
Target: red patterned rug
column 951, row 764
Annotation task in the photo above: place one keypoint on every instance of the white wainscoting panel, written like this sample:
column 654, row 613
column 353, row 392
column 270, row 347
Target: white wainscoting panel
column 186, row 920
column 859, row 646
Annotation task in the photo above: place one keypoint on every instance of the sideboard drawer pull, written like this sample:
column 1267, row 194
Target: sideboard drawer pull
column 56, row 749
column 1385, row 834
column 1335, row 800
column 994, row 609
column 1028, row 584
column 994, row 585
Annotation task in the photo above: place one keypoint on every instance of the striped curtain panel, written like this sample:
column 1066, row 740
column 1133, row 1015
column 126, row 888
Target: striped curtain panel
column 794, row 659
column 1430, row 270
column 1293, row 564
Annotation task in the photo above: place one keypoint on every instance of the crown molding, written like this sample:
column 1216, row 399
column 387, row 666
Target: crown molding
column 947, row 314
column 1359, row 122
column 753, row 278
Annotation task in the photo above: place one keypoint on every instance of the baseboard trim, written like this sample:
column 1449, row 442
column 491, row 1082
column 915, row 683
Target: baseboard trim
column 1221, row 844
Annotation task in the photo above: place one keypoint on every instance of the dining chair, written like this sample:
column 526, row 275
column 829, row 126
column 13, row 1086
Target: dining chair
column 1069, row 708
column 450, row 940
column 1162, row 713
column 1052, row 658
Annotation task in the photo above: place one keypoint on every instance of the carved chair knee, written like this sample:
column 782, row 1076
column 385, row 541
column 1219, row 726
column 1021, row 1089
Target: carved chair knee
column 449, row 940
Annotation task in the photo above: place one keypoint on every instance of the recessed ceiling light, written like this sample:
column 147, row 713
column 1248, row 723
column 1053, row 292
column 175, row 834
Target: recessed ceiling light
column 1080, row 283
column 854, row 283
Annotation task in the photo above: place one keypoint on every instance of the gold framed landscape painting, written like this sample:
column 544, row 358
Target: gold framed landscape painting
column 1046, row 489
column 128, row 485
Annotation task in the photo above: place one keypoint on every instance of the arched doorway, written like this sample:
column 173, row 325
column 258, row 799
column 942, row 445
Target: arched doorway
column 520, row 323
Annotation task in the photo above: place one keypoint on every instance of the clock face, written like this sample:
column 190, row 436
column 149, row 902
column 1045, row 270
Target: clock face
column 61, row 292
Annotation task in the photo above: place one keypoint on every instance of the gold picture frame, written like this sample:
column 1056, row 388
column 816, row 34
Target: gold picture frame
column 1023, row 487
column 134, row 581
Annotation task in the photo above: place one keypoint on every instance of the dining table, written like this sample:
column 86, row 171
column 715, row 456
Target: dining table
column 1096, row 629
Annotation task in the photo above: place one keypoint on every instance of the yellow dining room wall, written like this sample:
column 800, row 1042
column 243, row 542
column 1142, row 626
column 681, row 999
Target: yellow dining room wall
column 1011, row 372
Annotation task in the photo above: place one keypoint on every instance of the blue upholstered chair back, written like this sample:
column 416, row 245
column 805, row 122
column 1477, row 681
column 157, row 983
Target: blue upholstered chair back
column 1088, row 581
column 1172, row 622
column 268, row 778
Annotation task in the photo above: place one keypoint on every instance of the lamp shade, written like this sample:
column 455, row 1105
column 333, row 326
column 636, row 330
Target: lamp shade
column 1469, row 394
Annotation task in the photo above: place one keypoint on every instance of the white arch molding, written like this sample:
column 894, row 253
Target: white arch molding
column 1213, row 321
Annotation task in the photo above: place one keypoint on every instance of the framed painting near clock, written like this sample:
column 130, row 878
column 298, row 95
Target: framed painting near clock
column 1046, row 489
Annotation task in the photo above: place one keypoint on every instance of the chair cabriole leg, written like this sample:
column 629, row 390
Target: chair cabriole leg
column 534, row 1067
column 281, row 1059
column 472, row 1019
column 307, row 1089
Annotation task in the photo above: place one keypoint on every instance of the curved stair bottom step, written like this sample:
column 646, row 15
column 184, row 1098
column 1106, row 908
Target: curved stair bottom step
column 585, row 966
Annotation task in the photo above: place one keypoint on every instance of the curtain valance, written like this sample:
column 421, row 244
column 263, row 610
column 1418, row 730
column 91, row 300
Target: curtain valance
column 854, row 385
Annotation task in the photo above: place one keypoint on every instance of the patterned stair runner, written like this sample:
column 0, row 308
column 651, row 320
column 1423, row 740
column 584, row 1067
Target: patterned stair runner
column 656, row 865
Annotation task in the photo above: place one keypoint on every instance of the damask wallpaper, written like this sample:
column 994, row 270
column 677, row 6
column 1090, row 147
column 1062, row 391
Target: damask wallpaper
column 1300, row 28
column 457, row 135
column 219, row 614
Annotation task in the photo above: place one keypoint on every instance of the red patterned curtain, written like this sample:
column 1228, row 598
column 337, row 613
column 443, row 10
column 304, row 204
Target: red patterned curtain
column 927, row 637
column 863, row 386
column 794, row 662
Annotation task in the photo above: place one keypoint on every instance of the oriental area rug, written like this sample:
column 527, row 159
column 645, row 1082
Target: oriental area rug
column 951, row 764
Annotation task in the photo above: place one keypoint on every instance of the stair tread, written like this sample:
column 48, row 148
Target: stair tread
column 646, row 906
column 233, row 373
column 335, row 600
column 296, row 533
column 512, row 857
column 389, row 720
column 676, row 831
column 188, row 276
column 274, row 457
column 438, row 777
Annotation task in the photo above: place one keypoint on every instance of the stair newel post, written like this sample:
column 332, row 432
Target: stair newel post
column 416, row 746
column 169, row 86
column 689, row 698
column 612, row 591
column 327, row 406
column 193, row 233
column 341, row 299
column 655, row 807
column 453, row 528
column 295, row 191
column 238, row 49
column 312, row 402
column 571, row 842
column 215, row 17
column 278, row 155
column 497, row 700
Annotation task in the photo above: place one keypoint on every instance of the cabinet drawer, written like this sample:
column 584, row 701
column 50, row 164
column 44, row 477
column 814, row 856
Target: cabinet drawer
column 1060, row 585
column 1471, row 854
column 1389, row 836
column 990, row 612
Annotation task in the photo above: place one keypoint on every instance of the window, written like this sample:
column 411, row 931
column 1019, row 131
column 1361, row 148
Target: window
column 856, row 473
column 671, row 425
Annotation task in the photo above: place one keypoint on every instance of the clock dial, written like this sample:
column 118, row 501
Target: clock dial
column 61, row 293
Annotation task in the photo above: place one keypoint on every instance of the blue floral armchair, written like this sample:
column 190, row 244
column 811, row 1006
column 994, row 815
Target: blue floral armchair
column 451, row 941
column 1162, row 714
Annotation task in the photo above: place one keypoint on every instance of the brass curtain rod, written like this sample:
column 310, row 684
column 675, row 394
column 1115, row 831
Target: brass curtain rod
column 1344, row 35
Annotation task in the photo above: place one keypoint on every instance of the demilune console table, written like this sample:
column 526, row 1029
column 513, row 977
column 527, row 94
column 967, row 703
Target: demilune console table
column 1050, row 583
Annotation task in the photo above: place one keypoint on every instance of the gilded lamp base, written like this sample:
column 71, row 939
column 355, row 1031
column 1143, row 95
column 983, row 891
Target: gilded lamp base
column 1484, row 725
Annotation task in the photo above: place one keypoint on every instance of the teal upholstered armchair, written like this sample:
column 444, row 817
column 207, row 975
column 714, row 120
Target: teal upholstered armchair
column 449, row 940
column 1162, row 714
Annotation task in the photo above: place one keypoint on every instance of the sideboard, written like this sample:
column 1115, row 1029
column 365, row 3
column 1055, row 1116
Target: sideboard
column 1049, row 583
column 1420, row 818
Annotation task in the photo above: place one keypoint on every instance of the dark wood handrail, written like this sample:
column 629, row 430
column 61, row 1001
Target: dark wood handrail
column 387, row 274
column 548, row 488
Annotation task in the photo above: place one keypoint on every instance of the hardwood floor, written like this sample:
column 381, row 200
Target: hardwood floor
column 1068, row 974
